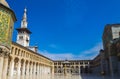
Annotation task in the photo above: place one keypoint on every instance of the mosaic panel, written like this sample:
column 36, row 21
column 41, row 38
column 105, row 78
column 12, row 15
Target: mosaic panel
column 5, row 35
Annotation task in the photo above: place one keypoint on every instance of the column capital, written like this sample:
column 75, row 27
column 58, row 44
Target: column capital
column 4, row 51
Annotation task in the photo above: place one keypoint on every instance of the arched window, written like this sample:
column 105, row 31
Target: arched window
column 22, row 53
column 12, row 50
column 18, row 52
column 15, row 51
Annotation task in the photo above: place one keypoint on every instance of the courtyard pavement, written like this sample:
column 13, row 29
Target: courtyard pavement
column 85, row 77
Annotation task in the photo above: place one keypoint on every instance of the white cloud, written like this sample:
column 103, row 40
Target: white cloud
column 92, row 52
column 56, row 56
column 94, row 49
column 87, row 54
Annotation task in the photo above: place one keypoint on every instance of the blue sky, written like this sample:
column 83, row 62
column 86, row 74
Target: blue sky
column 67, row 29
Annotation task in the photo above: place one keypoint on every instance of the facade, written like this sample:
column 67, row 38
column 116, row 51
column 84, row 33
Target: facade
column 110, row 36
column 18, row 60
column 117, row 45
column 111, row 32
column 26, row 64
column 111, row 64
column 95, row 65
column 64, row 67
column 108, row 60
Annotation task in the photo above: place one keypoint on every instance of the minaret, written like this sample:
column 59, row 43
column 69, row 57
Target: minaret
column 24, row 20
column 23, row 36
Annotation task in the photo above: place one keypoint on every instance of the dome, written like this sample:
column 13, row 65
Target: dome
column 4, row 3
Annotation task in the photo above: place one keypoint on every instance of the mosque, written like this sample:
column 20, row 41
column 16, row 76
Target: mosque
column 18, row 60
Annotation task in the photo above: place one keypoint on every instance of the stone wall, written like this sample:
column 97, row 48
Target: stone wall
column 119, row 67
column 96, row 70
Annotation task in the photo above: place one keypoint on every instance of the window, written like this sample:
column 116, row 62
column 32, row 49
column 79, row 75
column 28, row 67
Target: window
column 20, row 37
column 27, row 39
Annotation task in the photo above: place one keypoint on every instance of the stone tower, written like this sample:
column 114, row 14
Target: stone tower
column 23, row 37
column 7, row 19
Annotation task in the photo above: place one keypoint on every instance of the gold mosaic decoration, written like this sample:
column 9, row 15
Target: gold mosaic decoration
column 5, row 34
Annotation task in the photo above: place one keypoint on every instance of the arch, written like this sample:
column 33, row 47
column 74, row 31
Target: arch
column 15, row 51
column 81, row 69
column 77, row 67
column 86, row 69
column 33, row 63
column 24, row 54
column 59, row 67
column 10, row 58
column 72, row 69
column 55, row 66
column 21, row 53
column 81, row 62
column 26, row 64
column 22, row 60
column 16, row 61
column 59, row 71
column 18, row 54
column 22, row 65
column 12, row 50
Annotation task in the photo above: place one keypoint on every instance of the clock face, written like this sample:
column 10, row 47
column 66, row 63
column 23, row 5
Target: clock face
column 4, row 28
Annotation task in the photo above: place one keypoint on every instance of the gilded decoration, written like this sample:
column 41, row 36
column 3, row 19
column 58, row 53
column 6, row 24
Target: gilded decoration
column 5, row 29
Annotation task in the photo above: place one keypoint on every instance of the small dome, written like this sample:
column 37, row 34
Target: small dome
column 4, row 3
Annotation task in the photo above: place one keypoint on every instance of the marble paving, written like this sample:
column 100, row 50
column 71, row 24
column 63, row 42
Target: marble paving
column 84, row 77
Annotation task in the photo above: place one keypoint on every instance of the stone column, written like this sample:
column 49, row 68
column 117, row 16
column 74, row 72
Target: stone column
column 40, row 71
column 23, row 70
column 4, row 52
column 13, row 51
column 11, row 69
column 37, row 71
column 78, row 70
column 43, row 70
column 83, row 67
column 34, row 71
column 18, row 69
column 27, row 71
column 52, row 72
column 113, row 65
column 47, row 70
column 31, row 70
column 5, row 67
column 1, row 64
